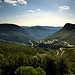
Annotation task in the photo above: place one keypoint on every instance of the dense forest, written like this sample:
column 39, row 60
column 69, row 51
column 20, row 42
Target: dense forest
column 18, row 59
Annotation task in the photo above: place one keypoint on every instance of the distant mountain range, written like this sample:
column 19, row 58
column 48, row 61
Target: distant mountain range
column 40, row 32
column 67, row 33
column 22, row 34
column 11, row 32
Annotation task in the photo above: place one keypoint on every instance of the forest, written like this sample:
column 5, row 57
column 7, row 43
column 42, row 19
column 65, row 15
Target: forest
column 19, row 59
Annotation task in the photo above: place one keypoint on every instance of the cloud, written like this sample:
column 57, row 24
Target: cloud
column 22, row 1
column 10, row 1
column 38, row 9
column 30, row 11
column 0, row 1
column 64, row 7
column 14, row 2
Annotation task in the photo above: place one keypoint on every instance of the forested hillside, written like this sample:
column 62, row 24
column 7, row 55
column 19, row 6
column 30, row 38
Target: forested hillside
column 40, row 32
column 11, row 32
column 67, row 33
column 14, row 57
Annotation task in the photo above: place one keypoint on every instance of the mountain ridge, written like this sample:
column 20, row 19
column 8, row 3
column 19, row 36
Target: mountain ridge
column 67, row 33
column 12, row 27
column 41, row 31
column 12, row 32
column 69, row 26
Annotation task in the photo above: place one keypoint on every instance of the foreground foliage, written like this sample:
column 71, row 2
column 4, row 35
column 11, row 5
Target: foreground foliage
column 15, row 56
column 28, row 70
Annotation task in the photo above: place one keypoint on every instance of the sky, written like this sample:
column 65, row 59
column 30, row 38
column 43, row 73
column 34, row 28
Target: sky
column 37, row 12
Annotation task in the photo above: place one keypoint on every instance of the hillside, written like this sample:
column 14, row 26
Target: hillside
column 12, row 32
column 41, row 31
column 14, row 55
column 67, row 33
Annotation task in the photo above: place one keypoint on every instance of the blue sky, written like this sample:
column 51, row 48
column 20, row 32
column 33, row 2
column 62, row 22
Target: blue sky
column 37, row 12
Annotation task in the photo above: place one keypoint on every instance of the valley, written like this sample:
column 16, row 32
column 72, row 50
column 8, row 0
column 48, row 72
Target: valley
column 22, row 53
column 40, row 32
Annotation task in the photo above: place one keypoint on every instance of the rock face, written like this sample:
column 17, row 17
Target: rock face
column 12, row 32
column 67, row 33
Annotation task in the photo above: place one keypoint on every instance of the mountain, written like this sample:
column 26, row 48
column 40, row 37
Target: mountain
column 40, row 32
column 12, row 32
column 67, row 33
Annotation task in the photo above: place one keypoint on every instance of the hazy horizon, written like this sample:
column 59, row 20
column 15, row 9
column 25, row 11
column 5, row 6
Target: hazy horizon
column 35, row 12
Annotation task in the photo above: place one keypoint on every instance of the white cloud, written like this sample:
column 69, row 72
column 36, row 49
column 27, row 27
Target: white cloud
column 22, row 1
column 64, row 7
column 14, row 2
column 10, row 1
column 0, row 1
column 30, row 11
column 38, row 9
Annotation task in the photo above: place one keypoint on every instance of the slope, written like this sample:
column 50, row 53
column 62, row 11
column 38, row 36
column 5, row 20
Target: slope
column 12, row 32
column 40, row 32
column 67, row 33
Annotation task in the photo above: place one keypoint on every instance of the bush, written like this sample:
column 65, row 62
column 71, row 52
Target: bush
column 28, row 70
column 40, row 71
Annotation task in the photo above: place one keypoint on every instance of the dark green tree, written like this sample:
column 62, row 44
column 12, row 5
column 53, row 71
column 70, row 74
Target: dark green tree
column 29, row 70
column 40, row 71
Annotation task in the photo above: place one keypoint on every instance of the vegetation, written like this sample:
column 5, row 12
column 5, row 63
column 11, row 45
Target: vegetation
column 11, row 32
column 15, row 56
column 46, row 58
column 67, row 33
column 41, row 31
column 28, row 70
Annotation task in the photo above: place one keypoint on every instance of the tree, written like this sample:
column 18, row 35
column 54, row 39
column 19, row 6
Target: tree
column 40, row 71
column 29, row 70
column 64, row 66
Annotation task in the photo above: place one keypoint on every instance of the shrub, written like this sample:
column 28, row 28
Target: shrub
column 29, row 70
